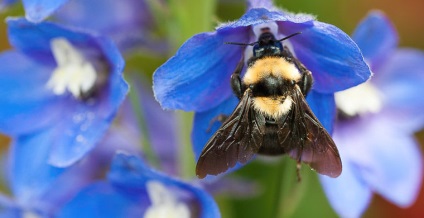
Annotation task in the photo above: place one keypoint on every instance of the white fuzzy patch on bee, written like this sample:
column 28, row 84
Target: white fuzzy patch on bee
column 273, row 107
column 271, row 66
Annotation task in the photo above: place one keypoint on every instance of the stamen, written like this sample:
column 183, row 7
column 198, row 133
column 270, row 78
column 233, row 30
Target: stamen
column 361, row 99
column 164, row 203
column 73, row 72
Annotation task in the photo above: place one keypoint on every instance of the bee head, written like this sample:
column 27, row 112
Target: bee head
column 267, row 45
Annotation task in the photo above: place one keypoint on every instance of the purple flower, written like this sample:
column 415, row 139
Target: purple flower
column 375, row 136
column 60, row 84
column 135, row 190
column 197, row 78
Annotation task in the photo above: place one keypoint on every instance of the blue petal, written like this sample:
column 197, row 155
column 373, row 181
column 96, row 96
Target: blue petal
column 261, row 15
column 330, row 54
column 6, row 3
column 30, row 175
column 324, row 108
column 198, row 76
column 21, row 32
column 35, row 183
column 395, row 171
column 401, row 81
column 26, row 104
column 101, row 199
column 130, row 173
column 38, row 10
column 348, row 195
column 376, row 37
column 8, row 208
column 108, row 19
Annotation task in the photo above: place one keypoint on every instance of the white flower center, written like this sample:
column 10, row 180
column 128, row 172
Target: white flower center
column 164, row 203
column 364, row 98
column 30, row 214
column 73, row 72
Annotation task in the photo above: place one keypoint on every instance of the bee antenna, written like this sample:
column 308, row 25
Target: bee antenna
column 294, row 34
column 239, row 43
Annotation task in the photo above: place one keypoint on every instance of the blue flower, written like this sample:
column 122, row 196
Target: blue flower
column 127, row 22
column 40, row 189
column 134, row 190
column 59, row 83
column 375, row 136
column 197, row 78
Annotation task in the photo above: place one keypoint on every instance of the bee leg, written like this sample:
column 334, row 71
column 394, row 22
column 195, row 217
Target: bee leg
column 307, row 80
column 220, row 118
column 236, row 84
column 298, row 166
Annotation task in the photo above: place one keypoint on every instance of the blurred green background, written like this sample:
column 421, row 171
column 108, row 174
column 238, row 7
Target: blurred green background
column 305, row 199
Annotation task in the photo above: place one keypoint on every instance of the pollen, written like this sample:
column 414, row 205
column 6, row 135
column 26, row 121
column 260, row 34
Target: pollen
column 364, row 98
column 164, row 203
column 73, row 72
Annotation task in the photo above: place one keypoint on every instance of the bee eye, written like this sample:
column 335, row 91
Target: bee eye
column 251, row 86
column 292, row 82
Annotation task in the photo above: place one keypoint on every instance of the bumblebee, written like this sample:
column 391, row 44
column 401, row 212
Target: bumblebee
column 272, row 117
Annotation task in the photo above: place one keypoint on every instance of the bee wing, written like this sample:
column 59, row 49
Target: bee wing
column 237, row 140
column 307, row 139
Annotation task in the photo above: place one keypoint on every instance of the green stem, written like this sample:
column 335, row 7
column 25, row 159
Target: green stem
column 186, row 156
column 147, row 146
column 289, row 191
column 279, row 187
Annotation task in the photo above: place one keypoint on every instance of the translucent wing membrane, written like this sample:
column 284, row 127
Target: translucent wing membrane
column 237, row 140
column 308, row 141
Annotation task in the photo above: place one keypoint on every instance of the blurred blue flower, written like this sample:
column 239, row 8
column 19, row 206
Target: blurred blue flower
column 197, row 78
column 40, row 189
column 60, row 84
column 378, row 121
column 134, row 190
column 5, row 3
column 127, row 22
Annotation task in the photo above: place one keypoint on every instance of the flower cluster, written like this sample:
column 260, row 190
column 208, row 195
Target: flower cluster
column 65, row 106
